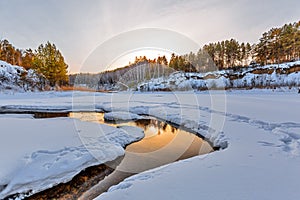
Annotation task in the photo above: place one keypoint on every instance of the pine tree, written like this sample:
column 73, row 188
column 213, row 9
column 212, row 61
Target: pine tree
column 49, row 61
column 279, row 44
column 27, row 59
column 164, row 60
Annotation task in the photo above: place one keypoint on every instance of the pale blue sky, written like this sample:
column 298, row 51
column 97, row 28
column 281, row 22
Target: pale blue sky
column 77, row 27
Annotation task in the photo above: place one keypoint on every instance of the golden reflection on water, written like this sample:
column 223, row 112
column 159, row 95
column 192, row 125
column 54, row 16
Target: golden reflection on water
column 88, row 116
column 162, row 142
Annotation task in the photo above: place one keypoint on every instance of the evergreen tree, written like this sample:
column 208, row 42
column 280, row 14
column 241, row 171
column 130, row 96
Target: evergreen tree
column 27, row 59
column 173, row 61
column 164, row 60
column 279, row 44
column 49, row 61
column 7, row 52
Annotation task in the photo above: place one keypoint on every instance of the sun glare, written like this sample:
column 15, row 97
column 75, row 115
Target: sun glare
column 129, row 57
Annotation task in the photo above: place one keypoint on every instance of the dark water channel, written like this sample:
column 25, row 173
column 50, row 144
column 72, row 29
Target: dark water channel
column 162, row 144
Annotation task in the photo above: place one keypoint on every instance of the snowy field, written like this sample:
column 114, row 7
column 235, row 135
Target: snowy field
column 258, row 131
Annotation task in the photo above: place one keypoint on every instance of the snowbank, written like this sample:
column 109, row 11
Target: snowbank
column 18, row 79
column 121, row 116
column 261, row 130
column 286, row 74
column 262, row 159
column 36, row 154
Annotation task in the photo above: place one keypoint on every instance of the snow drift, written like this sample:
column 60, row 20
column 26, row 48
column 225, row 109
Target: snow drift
column 51, row 151
column 16, row 78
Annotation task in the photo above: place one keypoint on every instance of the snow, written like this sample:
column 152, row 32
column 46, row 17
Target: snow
column 241, row 78
column 24, row 116
column 283, row 65
column 261, row 161
column 16, row 78
column 121, row 116
column 258, row 132
column 39, row 153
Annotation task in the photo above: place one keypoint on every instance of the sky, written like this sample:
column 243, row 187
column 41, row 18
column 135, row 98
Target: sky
column 80, row 27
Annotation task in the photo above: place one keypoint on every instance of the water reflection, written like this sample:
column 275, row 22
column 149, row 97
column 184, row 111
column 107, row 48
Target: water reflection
column 161, row 141
column 38, row 115
column 162, row 144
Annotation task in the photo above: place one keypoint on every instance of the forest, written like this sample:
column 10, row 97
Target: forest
column 277, row 45
column 46, row 60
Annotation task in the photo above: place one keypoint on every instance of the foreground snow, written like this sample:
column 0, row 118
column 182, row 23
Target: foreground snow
column 39, row 153
column 261, row 161
column 259, row 132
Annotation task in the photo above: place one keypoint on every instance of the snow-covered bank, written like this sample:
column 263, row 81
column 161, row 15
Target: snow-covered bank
column 282, row 75
column 39, row 153
column 261, row 129
column 121, row 116
column 261, row 161
column 16, row 78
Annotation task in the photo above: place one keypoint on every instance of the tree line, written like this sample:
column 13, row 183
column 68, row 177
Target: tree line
column 140, row 70
column 46, row 60
column 277, row 45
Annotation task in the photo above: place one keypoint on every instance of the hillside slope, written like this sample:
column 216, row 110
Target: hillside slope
column 16, row 78
column 269, row 76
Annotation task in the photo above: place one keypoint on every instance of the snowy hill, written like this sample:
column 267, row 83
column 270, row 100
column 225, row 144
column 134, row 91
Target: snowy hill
column 18, row 79
column 269, row 76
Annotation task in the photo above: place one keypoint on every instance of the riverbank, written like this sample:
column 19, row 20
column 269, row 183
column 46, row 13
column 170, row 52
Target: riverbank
column 259, row 130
